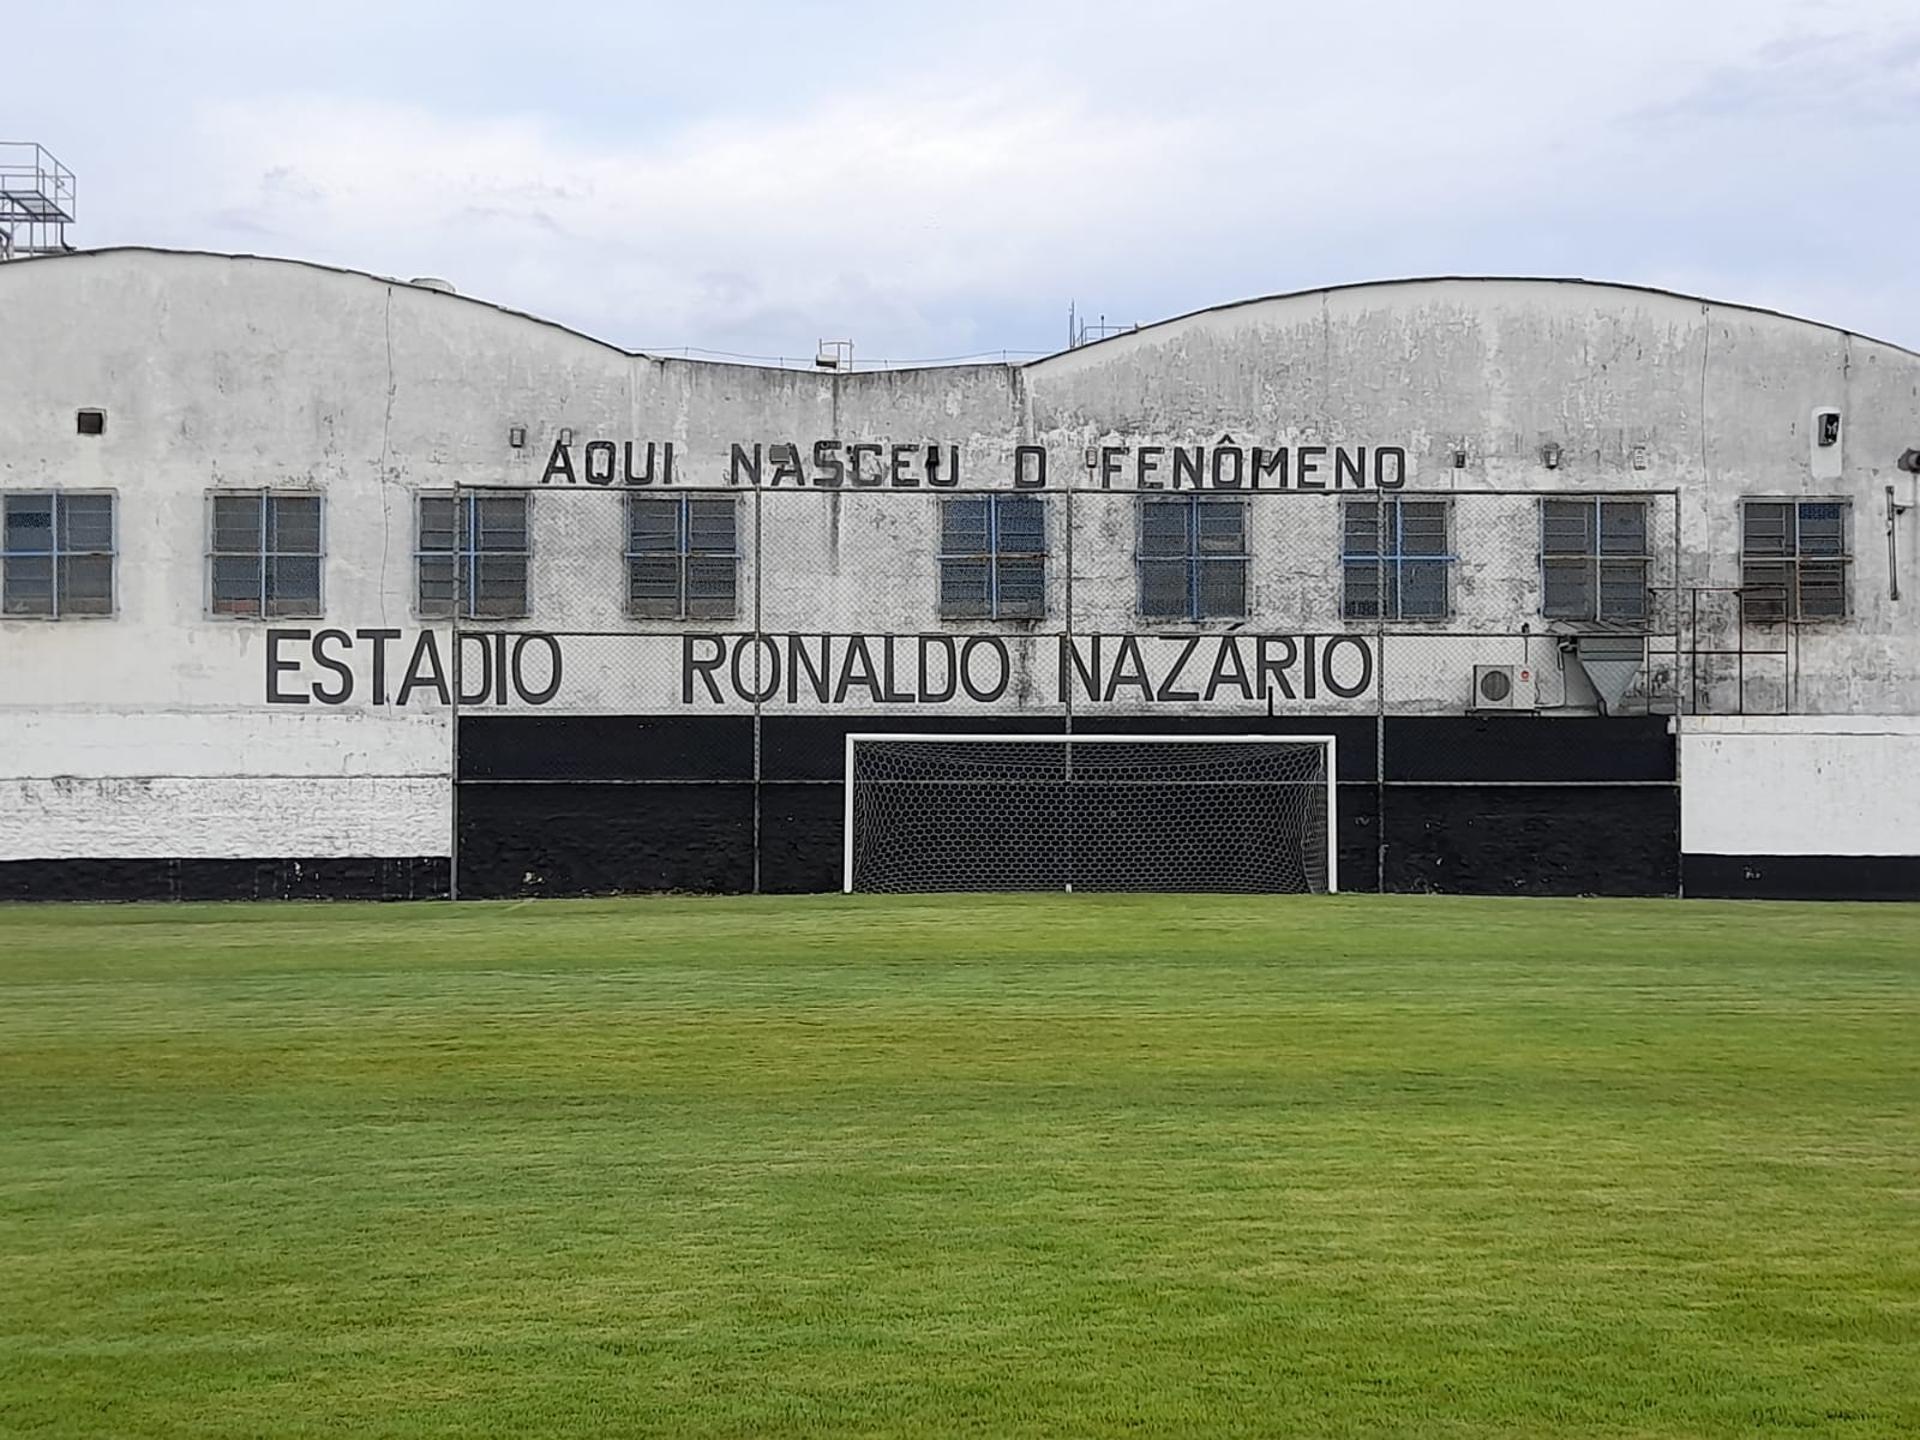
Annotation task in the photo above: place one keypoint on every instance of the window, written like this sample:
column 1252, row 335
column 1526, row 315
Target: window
column 1793, row 560
column 1193, row 558
column 265, row 555
column 1394, row 559
column 1593, row 559
column 993, row 557
column 56, row 554
column 470, row 556
column 682, row 558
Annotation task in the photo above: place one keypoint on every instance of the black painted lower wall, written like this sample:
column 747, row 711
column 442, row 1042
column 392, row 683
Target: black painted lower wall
column 415, row 877
column 1802, row 877
column 610, row 804
column 1532, row 840
column 1450, row 804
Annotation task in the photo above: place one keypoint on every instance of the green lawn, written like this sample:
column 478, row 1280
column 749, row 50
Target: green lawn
column 1007, row 1167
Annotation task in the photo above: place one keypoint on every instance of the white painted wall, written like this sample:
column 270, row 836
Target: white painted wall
column 1800, row 785
column 223, row 372
column 240, row 817
column 223, row 786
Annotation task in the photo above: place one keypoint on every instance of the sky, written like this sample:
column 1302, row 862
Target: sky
column 750, row 179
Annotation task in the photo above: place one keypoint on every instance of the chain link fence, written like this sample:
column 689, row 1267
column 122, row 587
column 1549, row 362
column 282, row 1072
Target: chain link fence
column 693, row 658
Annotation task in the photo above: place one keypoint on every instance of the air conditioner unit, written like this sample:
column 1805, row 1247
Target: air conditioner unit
column 1504, row 687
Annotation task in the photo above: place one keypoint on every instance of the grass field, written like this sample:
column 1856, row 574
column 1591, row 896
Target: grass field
column 1007, row 1167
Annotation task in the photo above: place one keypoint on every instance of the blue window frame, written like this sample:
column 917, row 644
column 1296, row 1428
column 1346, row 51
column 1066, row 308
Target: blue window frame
column 682, row 557
column 56, row 554
column 1192, row 558
column 1395, row 560
column 470, row 555
column 993, row 557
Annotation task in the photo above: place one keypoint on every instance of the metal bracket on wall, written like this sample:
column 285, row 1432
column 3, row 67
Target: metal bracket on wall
column 1894, row 511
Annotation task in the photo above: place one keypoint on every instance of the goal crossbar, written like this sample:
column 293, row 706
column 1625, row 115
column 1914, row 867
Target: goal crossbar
column 928, row 737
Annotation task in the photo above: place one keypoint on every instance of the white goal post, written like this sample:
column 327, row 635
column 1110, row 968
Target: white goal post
column 927, row 811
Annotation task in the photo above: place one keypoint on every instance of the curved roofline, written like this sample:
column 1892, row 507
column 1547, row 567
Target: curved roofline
column 1380, row 284
column 1627, row 285
column 455, row 294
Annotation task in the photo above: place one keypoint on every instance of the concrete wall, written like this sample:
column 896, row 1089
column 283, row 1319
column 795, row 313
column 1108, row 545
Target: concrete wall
column 1801, row 785
column 222, row 372
column 1801, row 807
column 105, row 784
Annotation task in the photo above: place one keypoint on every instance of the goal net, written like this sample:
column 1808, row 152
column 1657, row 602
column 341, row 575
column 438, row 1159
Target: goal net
column 1250, row 813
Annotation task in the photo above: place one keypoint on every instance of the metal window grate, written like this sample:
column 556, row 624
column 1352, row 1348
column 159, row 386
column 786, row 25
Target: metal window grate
column 470, row 556
column 1395, row 560
column 264, row 553
column 682, row 557
column 1794, row 560
column 993, row 557
column 56, row 554
column 1594, row 560
column 1192, row 558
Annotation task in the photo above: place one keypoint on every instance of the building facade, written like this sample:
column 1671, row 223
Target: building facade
column 321, row 583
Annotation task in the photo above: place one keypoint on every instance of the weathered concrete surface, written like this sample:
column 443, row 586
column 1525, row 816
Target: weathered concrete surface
column 220, row 372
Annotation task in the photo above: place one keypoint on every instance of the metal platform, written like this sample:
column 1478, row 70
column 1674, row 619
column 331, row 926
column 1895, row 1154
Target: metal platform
column 36, row 200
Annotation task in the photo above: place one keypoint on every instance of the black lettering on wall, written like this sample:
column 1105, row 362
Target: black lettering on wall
column 1146, row 461
column 1189, row 466
column 744, row 464
column 1110, row 458
column 599, row 462
column 900, row 468
column 276, row 667
column 1269, row 668
column 945, row 477
column 424, row 670
column 849, row 676
column 1223, row 674
column 1166, row 691
column 379, row 639
column 798, row 661
column 1330, row 675
column 559, row 466
column 944, row 644
column 988, row 693
column 1270, row 462
column 1071, row 663
column 856, row 474
column 478, row 695
column 322, row 641
column 1350, row 467
column 1128, row 669
column 888, row 691
column 828, row 468
column 1389, row 467
column 693, row 663
column 521, row 687
column 786, row 465
column 1307, row 463
column 1229, row 465
column 645, row 477
column 766, row 682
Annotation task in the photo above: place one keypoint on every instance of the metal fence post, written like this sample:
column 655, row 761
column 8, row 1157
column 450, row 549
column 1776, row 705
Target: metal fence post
column 453, row 698
column 759, row 659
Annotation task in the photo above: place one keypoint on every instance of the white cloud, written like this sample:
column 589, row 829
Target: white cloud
column 946, row 183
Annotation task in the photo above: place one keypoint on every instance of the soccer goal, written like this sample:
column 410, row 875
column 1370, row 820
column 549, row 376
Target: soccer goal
column 1248, row 813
